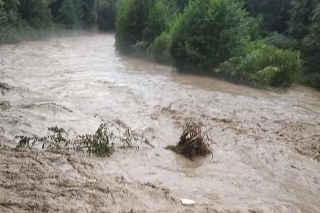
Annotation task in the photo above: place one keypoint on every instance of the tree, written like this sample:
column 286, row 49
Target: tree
column 274, row 13
column 68, row 15
column 3, row 21
column 54, row 7
column 311, row 43
column 9, row 20
column 208, row 32
column 130, row 23
column 9, row 13
column 300, row 17
column 156, row 21
column 181, row 3
column 36, row 13
column 107, row 14
column 89, row 14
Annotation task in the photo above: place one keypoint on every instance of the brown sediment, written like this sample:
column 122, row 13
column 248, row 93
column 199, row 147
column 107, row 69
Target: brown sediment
column 33, row 181
column 265, row 144
column 44, row 182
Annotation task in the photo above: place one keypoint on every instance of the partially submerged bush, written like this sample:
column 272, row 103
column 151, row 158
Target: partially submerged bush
column 101, row 143
column 192, row 141
column 265, row 65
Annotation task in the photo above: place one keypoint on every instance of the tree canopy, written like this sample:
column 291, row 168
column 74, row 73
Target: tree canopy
column 29, row 19
column 208, row 32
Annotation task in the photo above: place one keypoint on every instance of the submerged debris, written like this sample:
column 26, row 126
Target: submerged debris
column 192, row 141
column 102, row 143
column 311, row 148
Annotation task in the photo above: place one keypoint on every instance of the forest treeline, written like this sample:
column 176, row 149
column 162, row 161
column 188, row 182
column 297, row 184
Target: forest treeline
column 32, row 19
column 259, row 42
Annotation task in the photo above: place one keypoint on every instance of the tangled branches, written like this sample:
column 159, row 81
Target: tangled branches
column 192, row 141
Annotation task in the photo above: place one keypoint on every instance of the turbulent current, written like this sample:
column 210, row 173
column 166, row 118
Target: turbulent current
column 266, row 145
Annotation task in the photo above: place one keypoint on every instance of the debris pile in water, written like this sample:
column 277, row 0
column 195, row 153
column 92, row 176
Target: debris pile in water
column 192, row 141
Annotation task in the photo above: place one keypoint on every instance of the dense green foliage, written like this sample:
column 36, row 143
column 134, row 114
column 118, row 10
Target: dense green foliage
column 300, row 17
column 311, row 48
column 35, row 13
column 33, row 19
column 159, row 50
column 12, row 27
column 208, row 32
column 140, row 22
column 130, row 24
column 67, row 15
column 273, row 12
column 106, row 11
column 89, row 13
column 264, row 64
column 268, row 42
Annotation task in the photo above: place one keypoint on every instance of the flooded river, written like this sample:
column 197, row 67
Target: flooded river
column 265, row 144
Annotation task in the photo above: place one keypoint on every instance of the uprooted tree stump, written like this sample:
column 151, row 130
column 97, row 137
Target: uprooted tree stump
column 192, row 141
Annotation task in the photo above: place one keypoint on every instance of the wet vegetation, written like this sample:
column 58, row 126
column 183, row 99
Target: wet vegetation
column 102, row 143
column 193, row 141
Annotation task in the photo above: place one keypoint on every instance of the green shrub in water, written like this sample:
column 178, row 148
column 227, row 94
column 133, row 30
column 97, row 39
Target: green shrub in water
column 264, row 64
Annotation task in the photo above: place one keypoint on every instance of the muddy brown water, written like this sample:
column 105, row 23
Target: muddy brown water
column 264, row 156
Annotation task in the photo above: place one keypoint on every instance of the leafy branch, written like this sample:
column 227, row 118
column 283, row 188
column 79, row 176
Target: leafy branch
column 101, row 143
